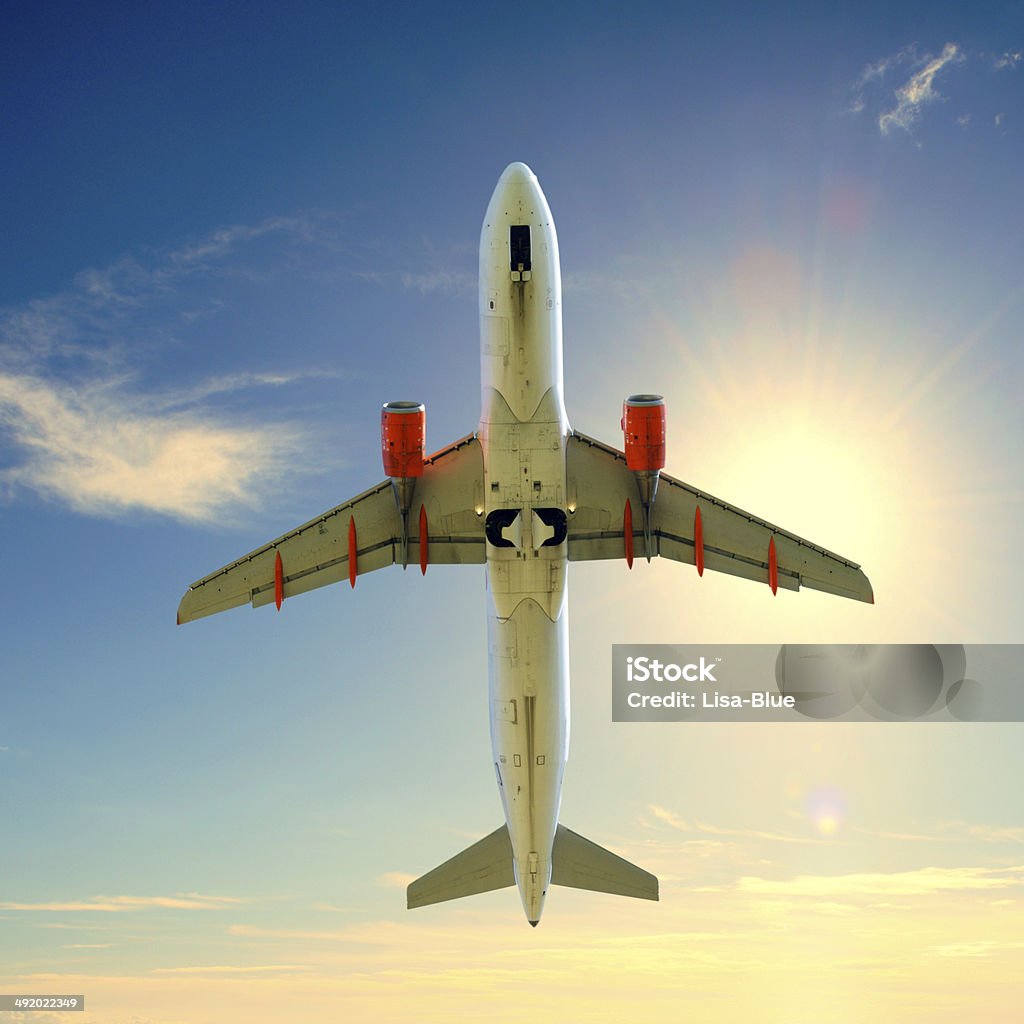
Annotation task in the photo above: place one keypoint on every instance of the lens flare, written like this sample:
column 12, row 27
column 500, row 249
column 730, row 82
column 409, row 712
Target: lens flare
column 826, row 808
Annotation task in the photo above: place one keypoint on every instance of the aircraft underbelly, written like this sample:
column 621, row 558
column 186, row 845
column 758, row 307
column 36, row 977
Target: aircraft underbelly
column 529, row 694
column 524, row 474
column 523, row 434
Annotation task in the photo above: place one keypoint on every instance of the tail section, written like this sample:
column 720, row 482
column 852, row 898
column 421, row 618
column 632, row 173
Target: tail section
column 483, row 867
column 487, row 865
column 580, row 864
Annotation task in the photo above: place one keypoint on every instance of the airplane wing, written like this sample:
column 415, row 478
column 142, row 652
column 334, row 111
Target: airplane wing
column 728, row 539
column 357, row 537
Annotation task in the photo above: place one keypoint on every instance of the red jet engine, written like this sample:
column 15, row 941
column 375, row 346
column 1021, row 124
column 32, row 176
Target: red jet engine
column 403, row 435
column 643, row 424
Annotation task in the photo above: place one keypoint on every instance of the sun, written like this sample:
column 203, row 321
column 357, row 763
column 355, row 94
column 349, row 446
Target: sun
column 839, row 431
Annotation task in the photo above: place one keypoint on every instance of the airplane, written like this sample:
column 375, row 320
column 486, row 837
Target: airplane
column 524, row 495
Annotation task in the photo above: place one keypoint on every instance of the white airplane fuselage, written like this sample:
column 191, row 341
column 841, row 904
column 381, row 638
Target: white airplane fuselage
column 523, row 434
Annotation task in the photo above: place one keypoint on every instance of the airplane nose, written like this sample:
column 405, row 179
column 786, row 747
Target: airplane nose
column 517, row 173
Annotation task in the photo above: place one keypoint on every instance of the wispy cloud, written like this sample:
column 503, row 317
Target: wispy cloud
column 381, row 933
column 443, row 280
column 625, row 283
column 918, row 90
column 921, row 882
column 439, row 281
column 89, row 434
column 899, row 837
column 982, row 948
column 76, row 927
column 102, row 451
column 123, row 904
column 395, row 879
column 223, row 241
column 235, row 382
column 667, row 817
column 953, row 831
column 876, row 72
column 907, row 79
column 232, row 969
column 332, row 908
column 985, row 833
column 93, row 318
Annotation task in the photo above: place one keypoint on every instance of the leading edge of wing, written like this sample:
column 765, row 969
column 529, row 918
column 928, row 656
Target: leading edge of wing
column 316, row 553
column 606, row 483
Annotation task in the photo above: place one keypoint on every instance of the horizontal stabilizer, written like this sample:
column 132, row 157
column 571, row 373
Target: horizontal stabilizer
column 580, row 864
column 484, row 866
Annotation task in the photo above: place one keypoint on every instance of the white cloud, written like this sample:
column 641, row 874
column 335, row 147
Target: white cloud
column 99, row 450
column 922, row 882
column 878, row 70
column 87, row 434
column 232, row 969
column 985, row 833
column 977, row 949
column 395, row 880
column 223, row 241
column 874, row 73
column 237, row 382
column 918, row 91
column 122, row 904
column 378, row 934
column 667, row 817
column 85, row 320
column 900, row 106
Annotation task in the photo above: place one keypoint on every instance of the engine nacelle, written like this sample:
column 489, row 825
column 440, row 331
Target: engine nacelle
column 403, row 436
column 643, row 423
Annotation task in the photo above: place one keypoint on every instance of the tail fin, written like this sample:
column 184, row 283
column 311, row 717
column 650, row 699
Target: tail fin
column 580, row 864
column 484, row 866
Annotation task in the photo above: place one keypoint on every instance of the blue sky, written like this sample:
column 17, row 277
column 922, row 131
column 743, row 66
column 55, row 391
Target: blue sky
column 230, row 233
